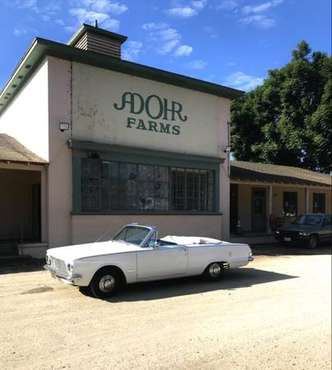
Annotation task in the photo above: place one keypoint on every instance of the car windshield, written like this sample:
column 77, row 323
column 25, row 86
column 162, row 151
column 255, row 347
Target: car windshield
column 308, row 220
column 132, row 234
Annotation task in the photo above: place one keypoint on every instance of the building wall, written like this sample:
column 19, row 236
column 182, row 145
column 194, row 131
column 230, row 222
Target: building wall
column 244, row 204
column 97, row 91
column 26, row 117
column 90, row 228
column 60, row 166
column 328, row 198
column 245, row 199
column 278, row 199
column 204, row 133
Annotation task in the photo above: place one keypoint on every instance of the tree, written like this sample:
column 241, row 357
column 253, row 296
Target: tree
column 288, row 119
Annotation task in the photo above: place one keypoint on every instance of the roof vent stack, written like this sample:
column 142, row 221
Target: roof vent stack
column 98, row 40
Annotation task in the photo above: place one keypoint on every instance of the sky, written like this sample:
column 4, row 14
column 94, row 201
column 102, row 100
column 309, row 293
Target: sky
column 228, row 42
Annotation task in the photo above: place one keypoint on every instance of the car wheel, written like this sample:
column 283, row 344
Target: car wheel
column 214, row 271
column 313, row 242
column 105, row 283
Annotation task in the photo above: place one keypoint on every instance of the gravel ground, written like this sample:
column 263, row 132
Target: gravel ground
column 273, row 314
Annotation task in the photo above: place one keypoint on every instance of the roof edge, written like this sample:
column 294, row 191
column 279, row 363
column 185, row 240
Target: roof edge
column 41, row 48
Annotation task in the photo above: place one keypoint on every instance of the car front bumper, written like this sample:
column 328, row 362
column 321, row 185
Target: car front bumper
column 294, row 238
column 71, row 279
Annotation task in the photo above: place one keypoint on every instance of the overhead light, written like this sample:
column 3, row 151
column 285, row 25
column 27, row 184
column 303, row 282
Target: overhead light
column 64, row 126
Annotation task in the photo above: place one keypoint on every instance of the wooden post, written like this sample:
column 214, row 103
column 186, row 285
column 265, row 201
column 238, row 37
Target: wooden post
column 307, row 205
column 269, row 210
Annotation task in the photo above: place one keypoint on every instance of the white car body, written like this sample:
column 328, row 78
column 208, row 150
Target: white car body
column 170, row 257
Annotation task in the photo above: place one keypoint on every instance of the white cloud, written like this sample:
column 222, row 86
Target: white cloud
column 227, row 5
column 25, row 4
column 132, row 49
column 84, row 15
column 152, row 26
column 19, row 31
column 198, row 64
column 184, row 12
column 45, row 10
column 100, row 10
column 111, row 24
column 243, row 81
column 183, row 50
column 88, row 11
column 252, row 14
column 260, row 8
column 187, row 9
column 166, row 39
column 106, row 6
column 168, row 46
column 199, row 4
column 211, row 32
column 259, row 20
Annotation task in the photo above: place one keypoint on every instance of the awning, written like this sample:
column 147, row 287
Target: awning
column 13, row 151
column 276, row 174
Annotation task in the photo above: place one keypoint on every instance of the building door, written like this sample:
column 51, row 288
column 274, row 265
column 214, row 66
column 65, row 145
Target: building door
column 36, row 214
column 258, row 210
column 234, row 207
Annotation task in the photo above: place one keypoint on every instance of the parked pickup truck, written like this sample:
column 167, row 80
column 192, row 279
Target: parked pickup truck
column 136, row 254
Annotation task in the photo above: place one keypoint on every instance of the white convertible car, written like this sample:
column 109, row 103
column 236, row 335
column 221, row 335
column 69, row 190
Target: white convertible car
column 136, row 254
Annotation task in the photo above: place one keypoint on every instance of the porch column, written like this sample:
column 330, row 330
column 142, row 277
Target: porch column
column 269, row 208
column 307, row 205
column 44, row 207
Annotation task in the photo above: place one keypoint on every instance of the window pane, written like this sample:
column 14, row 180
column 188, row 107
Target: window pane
column 318, row 203
column 90, row 184
column 290, row 204
column 110, row 185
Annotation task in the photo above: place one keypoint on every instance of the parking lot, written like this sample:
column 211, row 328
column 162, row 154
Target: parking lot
column 273, row 314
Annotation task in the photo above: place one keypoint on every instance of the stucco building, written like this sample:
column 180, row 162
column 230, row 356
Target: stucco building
column 105, row 142
column 263, row 196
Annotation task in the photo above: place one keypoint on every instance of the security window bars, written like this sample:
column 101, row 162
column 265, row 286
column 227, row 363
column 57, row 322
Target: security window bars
column 111, row 186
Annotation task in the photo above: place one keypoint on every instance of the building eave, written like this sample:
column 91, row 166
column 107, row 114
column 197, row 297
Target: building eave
column 41, row 48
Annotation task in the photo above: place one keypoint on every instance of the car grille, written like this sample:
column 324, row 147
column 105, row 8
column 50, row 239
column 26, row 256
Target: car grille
column 59, row 266
column 294, row 235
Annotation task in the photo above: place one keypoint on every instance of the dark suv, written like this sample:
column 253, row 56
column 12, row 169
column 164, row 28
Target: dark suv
column 310, row 229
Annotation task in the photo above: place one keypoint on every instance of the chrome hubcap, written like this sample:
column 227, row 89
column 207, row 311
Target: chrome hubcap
column 215, row 270
column 107, row 283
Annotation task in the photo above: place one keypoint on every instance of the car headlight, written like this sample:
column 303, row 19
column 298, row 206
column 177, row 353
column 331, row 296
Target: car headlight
column 302, row 233
column 277, row 232
column 48, row 260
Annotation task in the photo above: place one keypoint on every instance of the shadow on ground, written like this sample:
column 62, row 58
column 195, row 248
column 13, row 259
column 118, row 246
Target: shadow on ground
column 281, row 250
column 233, row 279
column 15, row 265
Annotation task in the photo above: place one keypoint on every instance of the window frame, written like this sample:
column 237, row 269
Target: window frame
column 318, row 194
column 295, row 193
column 140, row 156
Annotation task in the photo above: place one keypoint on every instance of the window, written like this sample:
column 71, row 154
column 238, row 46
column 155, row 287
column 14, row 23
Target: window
column 290, row 203
column 114, row 185
column 192, row 189
column 318, row 203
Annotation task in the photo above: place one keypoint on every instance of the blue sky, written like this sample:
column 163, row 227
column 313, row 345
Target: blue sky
column 230, row 42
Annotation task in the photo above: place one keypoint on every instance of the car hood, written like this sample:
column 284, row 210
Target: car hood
column 74, row 252
column 303, row 228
